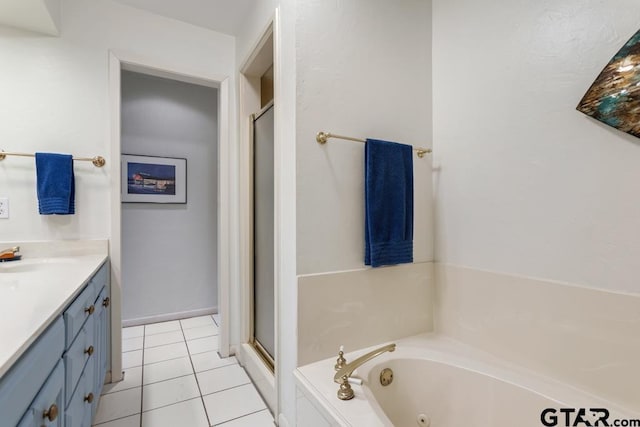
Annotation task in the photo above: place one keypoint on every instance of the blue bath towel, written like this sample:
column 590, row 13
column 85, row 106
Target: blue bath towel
column 55, row 184
column 388, row 203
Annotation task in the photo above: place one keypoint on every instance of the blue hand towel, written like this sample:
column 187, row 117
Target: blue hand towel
column 388, row 203
column 55, row 184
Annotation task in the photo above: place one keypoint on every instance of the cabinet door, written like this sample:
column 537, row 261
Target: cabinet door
column 47, row 408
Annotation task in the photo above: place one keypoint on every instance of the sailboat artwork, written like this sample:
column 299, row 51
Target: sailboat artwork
column 614, row 97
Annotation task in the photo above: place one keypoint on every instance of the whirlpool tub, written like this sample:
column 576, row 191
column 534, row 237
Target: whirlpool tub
column 438, row 382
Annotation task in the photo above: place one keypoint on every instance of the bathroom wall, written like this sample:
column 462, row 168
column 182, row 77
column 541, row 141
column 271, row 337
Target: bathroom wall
column 536, row 204
column 578, row 335
column 169, row 251
column 363, row 69
column 55, row 98
column 360, row 308
column 525, row 184
column 353, row 79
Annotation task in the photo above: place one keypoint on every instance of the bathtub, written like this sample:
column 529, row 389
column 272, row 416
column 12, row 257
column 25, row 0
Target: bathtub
column 438, row 382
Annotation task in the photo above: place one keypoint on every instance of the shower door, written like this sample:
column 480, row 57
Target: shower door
column 263, row 338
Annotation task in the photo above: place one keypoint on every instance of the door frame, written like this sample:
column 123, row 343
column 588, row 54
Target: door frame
column 260, row 57
column 124, row 60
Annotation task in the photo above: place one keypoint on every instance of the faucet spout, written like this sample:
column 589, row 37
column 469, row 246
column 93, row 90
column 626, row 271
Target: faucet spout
column 8, row 253
column 348, row 369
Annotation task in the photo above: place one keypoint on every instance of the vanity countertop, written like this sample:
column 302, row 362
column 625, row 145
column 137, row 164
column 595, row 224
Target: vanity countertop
column 36, row 289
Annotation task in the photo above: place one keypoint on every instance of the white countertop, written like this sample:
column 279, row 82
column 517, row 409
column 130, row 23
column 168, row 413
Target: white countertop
column 35, row 290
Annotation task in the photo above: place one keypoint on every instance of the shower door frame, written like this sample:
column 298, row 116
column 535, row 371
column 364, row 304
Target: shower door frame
column 259, row 348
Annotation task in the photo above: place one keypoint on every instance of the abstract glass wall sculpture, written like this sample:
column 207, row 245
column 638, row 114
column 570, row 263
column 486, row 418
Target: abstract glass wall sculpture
column 614, row 97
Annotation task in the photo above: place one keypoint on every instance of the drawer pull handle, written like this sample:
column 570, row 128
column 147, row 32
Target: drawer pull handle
column 89, row 398
column 52, row 413
column 89, row 351
column 106, row 302
column 90, row 309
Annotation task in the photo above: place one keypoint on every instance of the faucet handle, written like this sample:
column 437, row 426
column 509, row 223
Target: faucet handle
column 340, row 361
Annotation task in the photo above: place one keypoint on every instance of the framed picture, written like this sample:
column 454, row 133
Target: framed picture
column 148, row 179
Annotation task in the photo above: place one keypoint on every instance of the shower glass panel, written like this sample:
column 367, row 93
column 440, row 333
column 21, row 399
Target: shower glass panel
column 263, row 241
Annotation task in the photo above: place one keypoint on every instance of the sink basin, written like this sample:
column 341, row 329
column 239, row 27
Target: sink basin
column 35, row 264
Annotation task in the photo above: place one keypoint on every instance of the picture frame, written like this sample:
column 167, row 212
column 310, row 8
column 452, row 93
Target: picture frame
column 153, row 179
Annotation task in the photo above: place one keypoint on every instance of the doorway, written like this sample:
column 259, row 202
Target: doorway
column 169, row 140
column 123, row 62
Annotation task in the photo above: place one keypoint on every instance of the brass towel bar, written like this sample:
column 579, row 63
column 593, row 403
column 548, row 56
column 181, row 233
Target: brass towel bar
column 323, row 137
column 97, row 161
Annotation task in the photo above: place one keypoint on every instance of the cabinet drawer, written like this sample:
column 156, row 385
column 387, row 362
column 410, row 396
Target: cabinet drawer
column 78, row 312
column 83, row 348
column 100, row 279
column 20, row 385
column 79, row 410
column 47, row 408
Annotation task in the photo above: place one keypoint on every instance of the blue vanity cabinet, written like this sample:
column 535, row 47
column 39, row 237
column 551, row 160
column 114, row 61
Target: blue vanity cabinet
column 57, row 381
column 85, row 358
column 21, row 385
column 47, row 408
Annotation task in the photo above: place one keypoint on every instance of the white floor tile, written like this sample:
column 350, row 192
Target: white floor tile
column 201, row 332
column 165, row 352
column 118, row 405
column 131, row 359
column 195, row 322
column 132, row 332
column 159, row 328
column 167, row 370
column 257, row 419
column 190, row 413
column 132, row 421
column 211, row 360
column 201, row 345
column 233, row 403
column 131, row 344
column 216, row 318
column 169, row 392
column 132, row 378
column 163, row 339
column 222, row 379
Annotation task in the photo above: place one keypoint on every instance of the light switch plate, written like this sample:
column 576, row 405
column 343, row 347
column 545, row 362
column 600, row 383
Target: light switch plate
column 4, row 207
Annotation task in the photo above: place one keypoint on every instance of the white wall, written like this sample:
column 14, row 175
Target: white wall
column 169, row 251
column 525, row 184
column 55, row 98
column 364, row 70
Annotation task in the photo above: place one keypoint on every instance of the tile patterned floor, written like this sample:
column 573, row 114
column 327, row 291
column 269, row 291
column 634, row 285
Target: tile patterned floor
column 173, row 376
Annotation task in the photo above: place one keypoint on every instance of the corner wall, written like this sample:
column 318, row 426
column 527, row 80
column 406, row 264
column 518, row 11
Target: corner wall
column 525, row 184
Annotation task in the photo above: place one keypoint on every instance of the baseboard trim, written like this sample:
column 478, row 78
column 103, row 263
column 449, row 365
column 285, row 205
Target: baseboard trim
column 169, row 316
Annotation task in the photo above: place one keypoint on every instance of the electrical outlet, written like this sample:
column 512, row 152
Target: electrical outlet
column 4, row 207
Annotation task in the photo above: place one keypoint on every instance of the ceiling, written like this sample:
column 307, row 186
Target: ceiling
column 223, row 16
